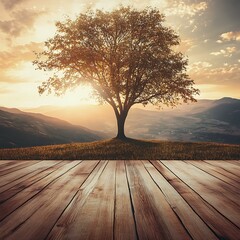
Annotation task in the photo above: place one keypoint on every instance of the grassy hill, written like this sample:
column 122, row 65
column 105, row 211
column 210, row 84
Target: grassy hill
column 130, row 149
column 20, row 129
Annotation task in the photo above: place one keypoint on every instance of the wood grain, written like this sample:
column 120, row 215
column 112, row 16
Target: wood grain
column 39, row 172
column 188, row 217
column 213, row 190
column 22, row 197
column 221, row 226
column 18, row 166
column 226, row 166
column 219, row 173
column 154, row 216
column 119, row 200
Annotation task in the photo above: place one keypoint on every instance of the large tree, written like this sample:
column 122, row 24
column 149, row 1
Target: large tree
column 126, row 55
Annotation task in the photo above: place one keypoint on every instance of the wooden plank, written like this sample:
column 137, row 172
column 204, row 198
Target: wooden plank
column 222, row 171
column 188, row 217
column 233, row 192
column 111, row 200
column 6, row 163
column 9, row 164
column 218, row 173
column 19, row 165
column 234, row 169
column 27, row 222
column 234, row 162
column 16, row 165
column 124, row 225
column 218, row 186
column 46, row 168
column 72, row 212
column 95, row 218
column 19, row 173
column 22, row 197
column 154, row 217
column 3, row 162
column 17, row 180
column 213, row 190
column 222, row 227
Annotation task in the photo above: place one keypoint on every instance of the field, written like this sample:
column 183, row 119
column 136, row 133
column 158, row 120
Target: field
column 128, row 149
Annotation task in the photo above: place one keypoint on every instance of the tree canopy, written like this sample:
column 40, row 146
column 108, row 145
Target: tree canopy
column 126, row 55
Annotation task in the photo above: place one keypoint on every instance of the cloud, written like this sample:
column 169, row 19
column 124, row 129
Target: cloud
column 225, row 52
column 230, row 36
column 14, row 59
column 10, row 4
column 22, row 21
column 19, row 53
column 221, row 52
column 182, row 9
column 229, row 73
column 231, row 49
column 199, row 66
column 225, row 75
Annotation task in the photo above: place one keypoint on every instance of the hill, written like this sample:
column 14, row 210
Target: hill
column 204, row 121
column 20, row 129
column 216, row 121
column 225, row 110
column 129, row 149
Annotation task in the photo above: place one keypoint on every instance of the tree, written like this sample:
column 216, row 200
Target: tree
column 126, row 55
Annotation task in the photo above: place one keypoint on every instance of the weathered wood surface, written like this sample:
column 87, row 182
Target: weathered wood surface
column 119, row 200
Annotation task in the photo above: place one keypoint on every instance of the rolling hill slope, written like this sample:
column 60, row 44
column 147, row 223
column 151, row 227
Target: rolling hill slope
column 218, row 121
column 226, row 110
column 204, row 121
column 20, row 129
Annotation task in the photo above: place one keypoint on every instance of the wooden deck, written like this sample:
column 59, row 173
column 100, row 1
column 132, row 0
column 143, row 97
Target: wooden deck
column 119, row 200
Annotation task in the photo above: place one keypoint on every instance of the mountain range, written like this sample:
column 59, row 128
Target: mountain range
column 22, row 129
column 204, row 121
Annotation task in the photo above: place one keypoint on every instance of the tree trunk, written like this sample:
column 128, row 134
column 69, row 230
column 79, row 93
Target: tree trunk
column 121, row 118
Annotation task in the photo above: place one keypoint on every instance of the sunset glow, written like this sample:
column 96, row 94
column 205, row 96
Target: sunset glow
column 209, row 31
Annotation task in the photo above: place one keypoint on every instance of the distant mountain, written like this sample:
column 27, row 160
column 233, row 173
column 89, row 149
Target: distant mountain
column 97, row 117
column 206, row 120
column 225, row 110
column 216, row 121
column 21, row 129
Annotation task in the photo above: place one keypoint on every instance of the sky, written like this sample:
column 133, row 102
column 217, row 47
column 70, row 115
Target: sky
column 209, row 32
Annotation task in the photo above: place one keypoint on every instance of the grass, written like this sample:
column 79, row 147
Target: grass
column 128, row 149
